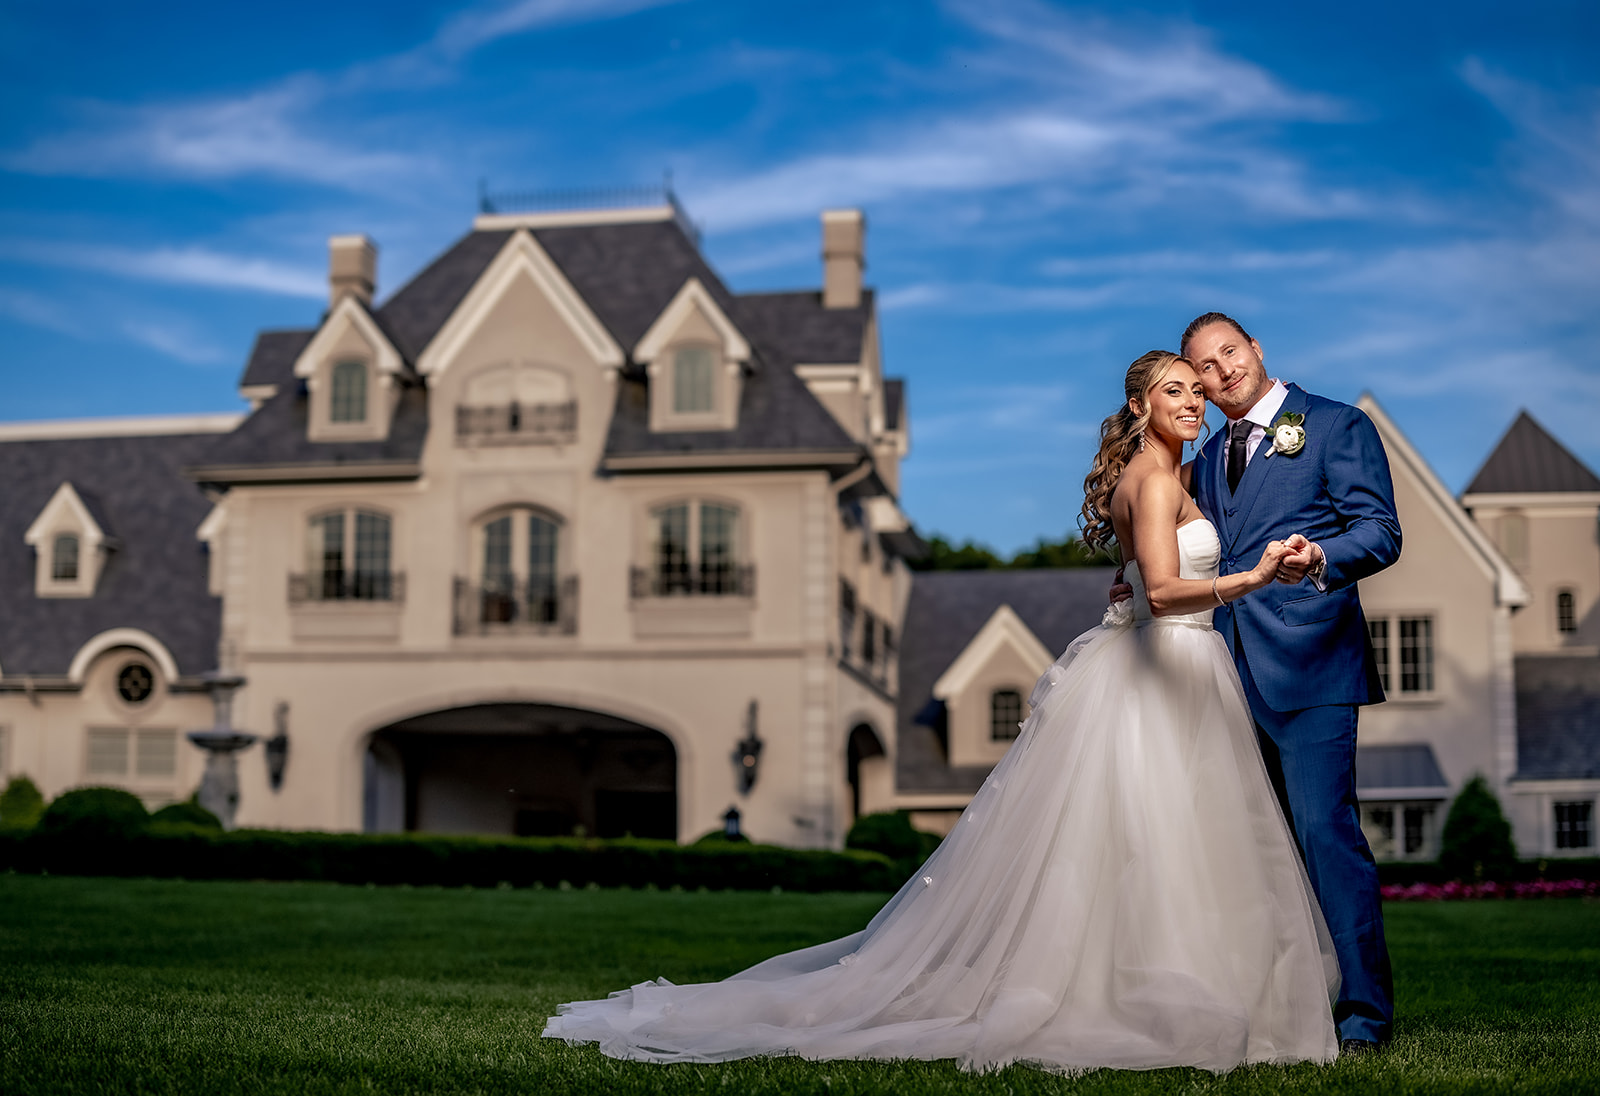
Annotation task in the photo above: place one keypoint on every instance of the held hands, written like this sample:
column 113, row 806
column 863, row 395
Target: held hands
column 1302, row 556
column 1271, row 565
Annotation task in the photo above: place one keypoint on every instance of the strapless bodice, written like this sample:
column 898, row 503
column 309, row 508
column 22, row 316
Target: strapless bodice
column 1199, row 550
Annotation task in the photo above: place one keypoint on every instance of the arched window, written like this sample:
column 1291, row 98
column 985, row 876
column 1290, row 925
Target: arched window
column 1005, row 714
column 519, row 577
column 348, row 401
column 695, row 548
column 1566, row 611
column 693, row 378
column 349, row 557
column 64, row 558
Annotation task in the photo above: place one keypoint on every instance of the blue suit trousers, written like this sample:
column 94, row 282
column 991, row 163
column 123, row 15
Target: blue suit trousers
column 1310, row 756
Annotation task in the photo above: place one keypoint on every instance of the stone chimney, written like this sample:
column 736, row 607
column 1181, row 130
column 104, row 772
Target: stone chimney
column 843, row 238
column 352, row 268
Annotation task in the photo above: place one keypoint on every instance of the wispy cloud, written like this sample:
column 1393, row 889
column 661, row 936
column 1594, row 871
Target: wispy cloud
column 265, row 133
column 177, row 340
column 478, row 27
column 41, row 312
column 195, row 266
column 1123, row 122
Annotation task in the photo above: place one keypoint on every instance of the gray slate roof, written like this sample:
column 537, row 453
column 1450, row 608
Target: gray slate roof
column 945, row 611
column 154, row 580
column 1529, row 461
column 627, row 274
column 1558, row 717
column 1409, row 765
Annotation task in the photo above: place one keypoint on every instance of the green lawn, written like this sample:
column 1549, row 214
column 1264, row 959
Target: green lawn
column 113, row 985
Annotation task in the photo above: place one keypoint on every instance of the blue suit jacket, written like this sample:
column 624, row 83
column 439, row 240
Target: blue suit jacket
column 1305, row 647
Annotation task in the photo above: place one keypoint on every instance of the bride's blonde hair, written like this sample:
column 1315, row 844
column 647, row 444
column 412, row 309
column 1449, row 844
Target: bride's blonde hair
column 1120, row 437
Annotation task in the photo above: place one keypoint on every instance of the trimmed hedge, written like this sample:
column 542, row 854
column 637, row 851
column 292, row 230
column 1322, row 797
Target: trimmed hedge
column 450, row 861
column 1525, row 871
column 89, row 815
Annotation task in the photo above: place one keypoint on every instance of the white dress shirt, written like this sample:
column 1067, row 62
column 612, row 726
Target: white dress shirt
column 1260, row 419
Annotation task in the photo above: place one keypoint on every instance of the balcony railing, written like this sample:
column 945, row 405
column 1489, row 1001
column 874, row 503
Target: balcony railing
column 517, row 605
column 725, row 580
column 518, row 424
column 348, row 586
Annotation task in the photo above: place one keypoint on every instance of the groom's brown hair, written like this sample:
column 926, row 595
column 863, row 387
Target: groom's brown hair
column 1206, row 321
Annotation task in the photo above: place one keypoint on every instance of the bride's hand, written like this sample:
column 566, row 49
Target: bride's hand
column 1271, row 559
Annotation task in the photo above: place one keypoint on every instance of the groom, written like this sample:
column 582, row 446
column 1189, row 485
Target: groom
column 1301, row 646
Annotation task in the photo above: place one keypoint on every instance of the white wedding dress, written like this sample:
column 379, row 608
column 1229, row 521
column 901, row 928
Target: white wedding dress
column 1122, row 892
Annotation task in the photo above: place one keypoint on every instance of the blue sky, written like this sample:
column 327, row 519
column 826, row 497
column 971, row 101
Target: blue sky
column 1401, row 198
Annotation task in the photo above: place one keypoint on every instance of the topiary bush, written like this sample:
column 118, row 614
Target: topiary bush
column 20, row 804
column 187, row 813
column 720, row 837
column 93, row 815
column 891, row 834
column 1476, row 843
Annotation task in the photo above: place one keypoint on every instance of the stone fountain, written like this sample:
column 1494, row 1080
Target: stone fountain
column 219, row 787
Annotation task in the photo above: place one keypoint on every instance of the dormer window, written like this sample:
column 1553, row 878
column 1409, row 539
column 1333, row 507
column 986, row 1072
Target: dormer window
column 348, row 399
column 64, row 558
column 69, row 545
column 695, row 360
column 693, row 380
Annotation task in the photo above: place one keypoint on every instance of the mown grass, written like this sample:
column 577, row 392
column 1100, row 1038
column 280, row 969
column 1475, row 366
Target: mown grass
column 144, row 986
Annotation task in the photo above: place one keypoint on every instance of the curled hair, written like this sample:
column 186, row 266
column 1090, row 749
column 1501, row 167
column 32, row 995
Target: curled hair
column 1206, row 320
column 1120, row 435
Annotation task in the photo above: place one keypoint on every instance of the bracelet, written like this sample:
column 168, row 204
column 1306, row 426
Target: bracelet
column 1214, row 593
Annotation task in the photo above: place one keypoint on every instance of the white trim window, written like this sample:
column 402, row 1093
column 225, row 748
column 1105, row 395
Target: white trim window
column 1574, row 824
column 1566, row 612
column 347, row 392
column 1402, row 647
column 519, row 578
column 694, row 376
column 348, row 558
column 64, row 557
column 136, row 756
column 1005, row 715
column 1400, row 831
column 696, row 548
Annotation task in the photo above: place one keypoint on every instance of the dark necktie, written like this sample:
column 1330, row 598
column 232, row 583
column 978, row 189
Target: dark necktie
column 1237, row 434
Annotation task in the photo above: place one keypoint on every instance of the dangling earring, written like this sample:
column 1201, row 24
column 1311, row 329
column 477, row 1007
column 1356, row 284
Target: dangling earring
column 1141, row 441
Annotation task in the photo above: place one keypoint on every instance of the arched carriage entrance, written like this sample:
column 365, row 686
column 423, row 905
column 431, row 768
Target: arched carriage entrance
column 535, row 770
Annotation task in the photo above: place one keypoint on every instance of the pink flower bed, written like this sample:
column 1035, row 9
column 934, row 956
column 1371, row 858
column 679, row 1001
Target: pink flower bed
column 1457, row 892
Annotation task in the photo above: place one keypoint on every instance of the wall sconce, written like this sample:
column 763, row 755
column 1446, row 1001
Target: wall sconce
column 277, row 747
column 747, row 754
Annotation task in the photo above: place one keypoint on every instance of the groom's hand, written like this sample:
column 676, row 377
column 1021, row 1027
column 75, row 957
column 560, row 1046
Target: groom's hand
column 1303, row 556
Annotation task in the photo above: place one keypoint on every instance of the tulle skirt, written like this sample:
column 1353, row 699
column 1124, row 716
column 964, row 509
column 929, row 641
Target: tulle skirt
column 1122, row 892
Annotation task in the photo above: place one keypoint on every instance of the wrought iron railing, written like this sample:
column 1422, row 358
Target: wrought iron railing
column 721, row 580
column 517, row 424
column 516, row 605
column 347, row 586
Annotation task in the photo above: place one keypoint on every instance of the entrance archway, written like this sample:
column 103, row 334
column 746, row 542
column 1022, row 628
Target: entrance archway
column 863, row 745
column 534, row 770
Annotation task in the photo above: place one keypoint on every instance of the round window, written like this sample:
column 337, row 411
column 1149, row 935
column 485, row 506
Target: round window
column 135, row 683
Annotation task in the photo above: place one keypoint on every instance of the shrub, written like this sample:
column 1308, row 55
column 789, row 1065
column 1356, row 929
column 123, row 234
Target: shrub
column 187, row 813
column 20, row 804
column 1476, row 843
column 719, row 837
column 891, row 834
column 453, row 861
column 93, row 815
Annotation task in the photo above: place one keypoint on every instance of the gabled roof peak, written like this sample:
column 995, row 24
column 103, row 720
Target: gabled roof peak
column 1528, row 460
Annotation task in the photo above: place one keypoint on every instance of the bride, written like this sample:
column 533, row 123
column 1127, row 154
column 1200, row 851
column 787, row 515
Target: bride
column 1123, row 890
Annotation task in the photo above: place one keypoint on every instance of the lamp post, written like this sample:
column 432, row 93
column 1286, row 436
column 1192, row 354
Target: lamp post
column 219, row 787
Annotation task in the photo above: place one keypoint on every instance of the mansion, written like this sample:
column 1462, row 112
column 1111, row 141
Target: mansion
column 565, row 536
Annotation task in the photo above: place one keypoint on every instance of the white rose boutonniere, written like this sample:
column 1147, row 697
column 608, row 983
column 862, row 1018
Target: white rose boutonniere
column 1288, row 435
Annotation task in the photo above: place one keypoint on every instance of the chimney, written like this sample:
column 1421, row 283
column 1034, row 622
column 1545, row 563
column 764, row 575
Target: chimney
column 843, row 236
column 352, row 268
